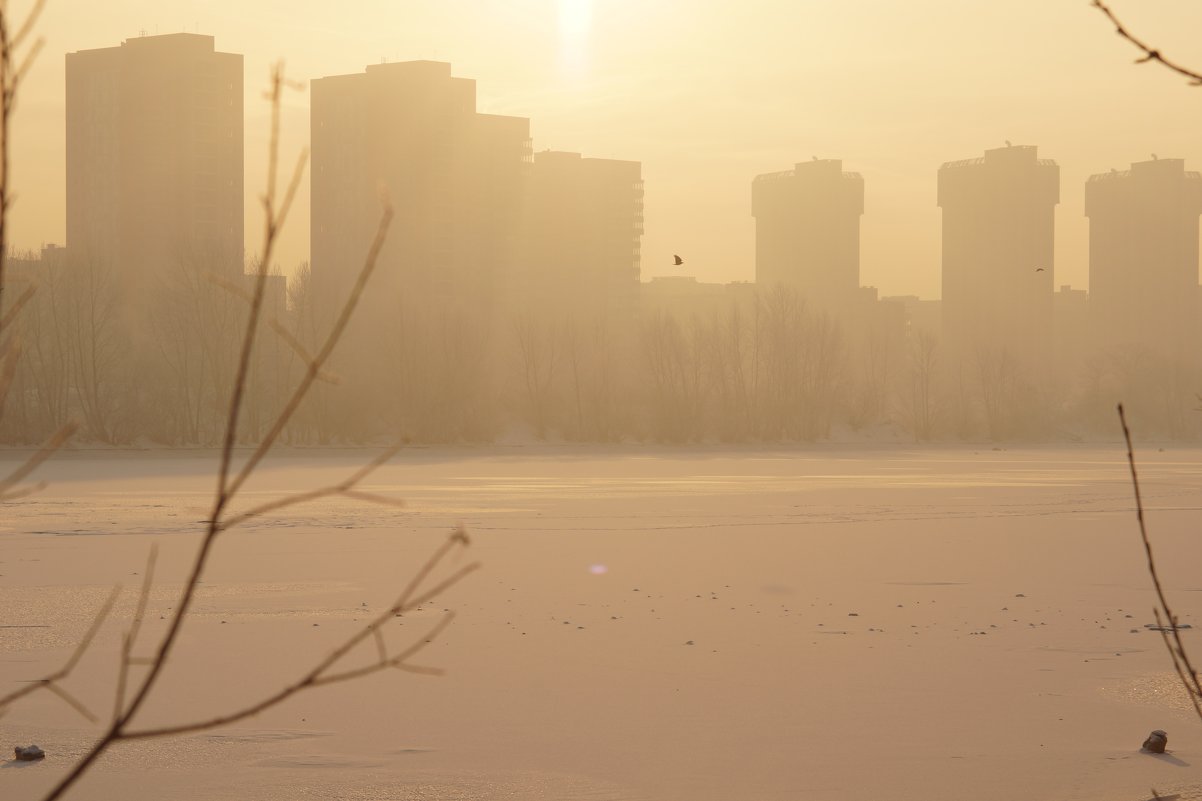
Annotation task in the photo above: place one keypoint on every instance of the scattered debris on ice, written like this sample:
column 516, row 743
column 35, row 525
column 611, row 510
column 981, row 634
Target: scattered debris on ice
column 29, row 753
column 1156, row 742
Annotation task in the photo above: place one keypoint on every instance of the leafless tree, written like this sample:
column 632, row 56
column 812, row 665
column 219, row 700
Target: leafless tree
column 88, row 306
column 918, row 400
column 17, row 53
column 675, row 382
column 538, row 358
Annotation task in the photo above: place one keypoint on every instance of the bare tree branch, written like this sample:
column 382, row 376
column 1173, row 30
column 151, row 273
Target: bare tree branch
column 318, row 675
column 1166, row 620
column 323, row 355
column 11, row 75
column 52, row 682
column 131, row 636
column 220, row 520
column 275, row 324
column 271, row 230
column 346, row 489
column 1149, row 53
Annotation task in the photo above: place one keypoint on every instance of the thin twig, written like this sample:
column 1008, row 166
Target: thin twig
column 279, row 328
column 131, row 636
column 11, row 76
column 1149, row 53
column 271, row 226
column 318, row 675
column 412, row 597
column 346, row 488
column 323, row 355
column 1181, row 661
column 51, row 682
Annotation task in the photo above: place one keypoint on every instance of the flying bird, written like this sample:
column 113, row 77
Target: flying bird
column 677, row 261
column 1038, row 269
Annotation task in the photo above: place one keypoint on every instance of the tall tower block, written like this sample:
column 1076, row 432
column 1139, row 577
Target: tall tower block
column 998, row 252
column 807, row 231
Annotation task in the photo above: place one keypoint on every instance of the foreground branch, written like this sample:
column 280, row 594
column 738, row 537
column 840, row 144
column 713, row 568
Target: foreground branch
column 53, row 682
column 1149, row 53
column 321, row 674
column 331, row 669
column 1166, row 620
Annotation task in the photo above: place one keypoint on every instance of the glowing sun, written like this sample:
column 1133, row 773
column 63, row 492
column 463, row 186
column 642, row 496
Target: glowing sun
column 575, row 19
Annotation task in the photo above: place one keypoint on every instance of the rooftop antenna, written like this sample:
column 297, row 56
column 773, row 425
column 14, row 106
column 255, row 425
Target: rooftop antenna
column 142, row 33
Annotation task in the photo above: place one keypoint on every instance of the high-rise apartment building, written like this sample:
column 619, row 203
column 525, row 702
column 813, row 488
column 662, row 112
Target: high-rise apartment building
column 584, row 222
column 1143, row 256
column 154, row 158
column 807, row 231
column 455, row 178
column 998, row 247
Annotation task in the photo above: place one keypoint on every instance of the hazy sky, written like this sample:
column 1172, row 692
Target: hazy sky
column 707, row 94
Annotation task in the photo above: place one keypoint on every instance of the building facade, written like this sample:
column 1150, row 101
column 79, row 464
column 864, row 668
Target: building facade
column 1143, row 256
column 584, row 229
column 807, row 231
column 998, row 253
column 455, row 178
column 155, row 158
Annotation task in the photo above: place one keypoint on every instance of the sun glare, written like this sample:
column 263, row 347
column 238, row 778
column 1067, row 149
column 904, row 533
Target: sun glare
column 575, row 22
column 575, row 19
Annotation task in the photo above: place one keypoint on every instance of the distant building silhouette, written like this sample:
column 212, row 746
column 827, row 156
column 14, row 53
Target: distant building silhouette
column 922, row 317
column 807, row 230
column 584, row 222
column 687, row 299
column 155, row 157
column 1143, row 255
column 998, row 252
column 455, row 178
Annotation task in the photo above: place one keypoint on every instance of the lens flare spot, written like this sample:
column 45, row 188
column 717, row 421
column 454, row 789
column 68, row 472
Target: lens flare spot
column 598, row 570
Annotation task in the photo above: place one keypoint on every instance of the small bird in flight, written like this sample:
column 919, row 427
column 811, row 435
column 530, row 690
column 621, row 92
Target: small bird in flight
column 1038, row 269
column 677, row 261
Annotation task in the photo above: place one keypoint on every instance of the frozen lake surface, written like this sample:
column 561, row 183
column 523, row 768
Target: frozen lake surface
column 661, row 624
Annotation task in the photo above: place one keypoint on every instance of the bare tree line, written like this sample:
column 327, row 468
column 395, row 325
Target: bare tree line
column 767, row 368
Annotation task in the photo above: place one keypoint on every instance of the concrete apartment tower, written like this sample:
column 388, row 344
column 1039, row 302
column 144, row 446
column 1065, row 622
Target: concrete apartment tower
column 807, row 231
column 455, row 178
column 155, row 158
column 1143, row 257
column 998, row 251
column 584, row 221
